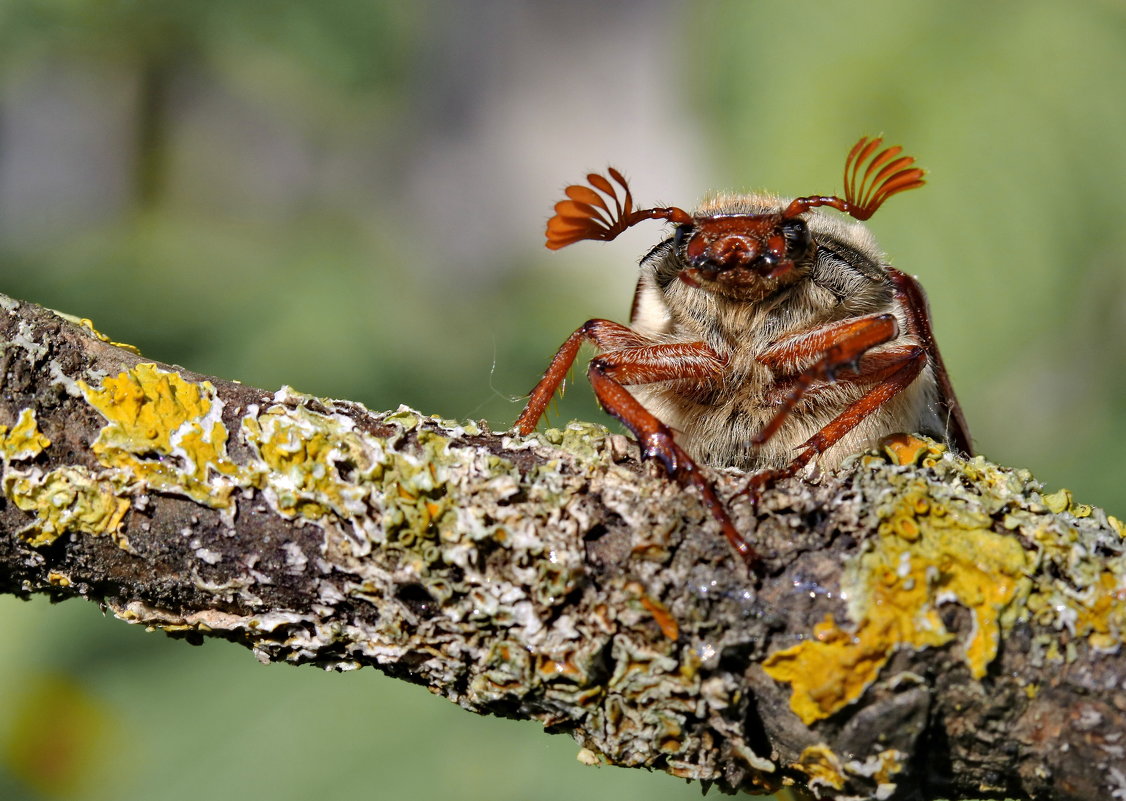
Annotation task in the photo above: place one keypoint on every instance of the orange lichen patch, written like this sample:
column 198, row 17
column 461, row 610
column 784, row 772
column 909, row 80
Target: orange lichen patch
column 661, row 615
column 64, row 500
column 152, row 415
column 23, row 440
column 904, row 449
column 822, row 766
column 658, row 610
column 833, row 669
column 549, row 668
column 925, row 555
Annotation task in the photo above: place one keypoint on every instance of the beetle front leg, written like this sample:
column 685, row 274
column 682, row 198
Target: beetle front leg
column 607, row 375
column 840, row 345
column 606, row 334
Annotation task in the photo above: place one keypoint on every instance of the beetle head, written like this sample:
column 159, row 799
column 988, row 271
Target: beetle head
column 741, row 253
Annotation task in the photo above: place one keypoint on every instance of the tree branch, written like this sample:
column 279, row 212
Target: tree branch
column 935, row 628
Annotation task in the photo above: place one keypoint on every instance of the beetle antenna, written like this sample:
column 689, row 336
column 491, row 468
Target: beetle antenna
column 887, row 174
column 586, row 214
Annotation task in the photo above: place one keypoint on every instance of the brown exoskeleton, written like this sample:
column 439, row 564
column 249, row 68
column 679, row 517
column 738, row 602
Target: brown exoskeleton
column 765, row 333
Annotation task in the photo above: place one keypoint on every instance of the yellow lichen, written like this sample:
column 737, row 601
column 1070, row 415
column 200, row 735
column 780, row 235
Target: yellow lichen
column 922, row 558
column 88, row 324
column 64, row 500
column 1059, row 501
column 23, row 440
column 1097, row 613
column 888, row 764
column 304, row 452
column 822, row 766
column 904, row 449
column 165, row 431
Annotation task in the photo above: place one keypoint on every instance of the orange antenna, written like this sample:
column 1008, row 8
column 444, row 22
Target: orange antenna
column 887, row 174
column 586, row 215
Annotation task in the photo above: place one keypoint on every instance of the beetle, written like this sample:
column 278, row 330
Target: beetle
column 765, row 333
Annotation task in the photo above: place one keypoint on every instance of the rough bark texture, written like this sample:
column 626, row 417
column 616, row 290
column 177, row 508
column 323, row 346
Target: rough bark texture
column 939, row 628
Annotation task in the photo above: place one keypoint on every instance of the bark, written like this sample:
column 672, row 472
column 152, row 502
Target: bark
column 936, row 628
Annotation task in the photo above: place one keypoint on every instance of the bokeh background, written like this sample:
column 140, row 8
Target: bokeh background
column 348, row 197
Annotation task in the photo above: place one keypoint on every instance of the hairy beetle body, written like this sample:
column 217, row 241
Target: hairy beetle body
column 765, row 334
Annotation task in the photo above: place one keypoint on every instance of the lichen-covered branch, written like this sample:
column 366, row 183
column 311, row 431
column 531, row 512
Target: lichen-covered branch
column 924, row 625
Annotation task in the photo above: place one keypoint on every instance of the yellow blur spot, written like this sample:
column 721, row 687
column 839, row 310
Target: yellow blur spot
column 60, row 740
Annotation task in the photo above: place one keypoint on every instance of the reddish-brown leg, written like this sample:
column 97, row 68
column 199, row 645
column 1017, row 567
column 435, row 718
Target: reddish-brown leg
column 896, row 376
column 655, row 438
column 793, row 353
column 606, row 334
column 914, row 302
column 841, row 346
column 633, row 360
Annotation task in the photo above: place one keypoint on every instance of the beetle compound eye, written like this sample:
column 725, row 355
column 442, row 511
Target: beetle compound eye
column 797, row 236
column 681, row 234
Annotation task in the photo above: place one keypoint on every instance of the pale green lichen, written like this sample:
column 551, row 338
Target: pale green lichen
column 415, row 494
column 306, row 457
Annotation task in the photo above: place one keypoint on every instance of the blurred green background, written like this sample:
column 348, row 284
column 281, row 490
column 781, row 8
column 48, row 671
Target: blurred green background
column 349, row 198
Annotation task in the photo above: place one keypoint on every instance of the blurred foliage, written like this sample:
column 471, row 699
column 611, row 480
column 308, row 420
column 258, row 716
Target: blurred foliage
column 315, row 194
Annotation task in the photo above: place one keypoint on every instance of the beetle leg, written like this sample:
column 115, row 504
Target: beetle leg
column 609, row 372
column 606, row 334
column 841, row 346
column 632, row 359
column 914, row 302
column 893, row 378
